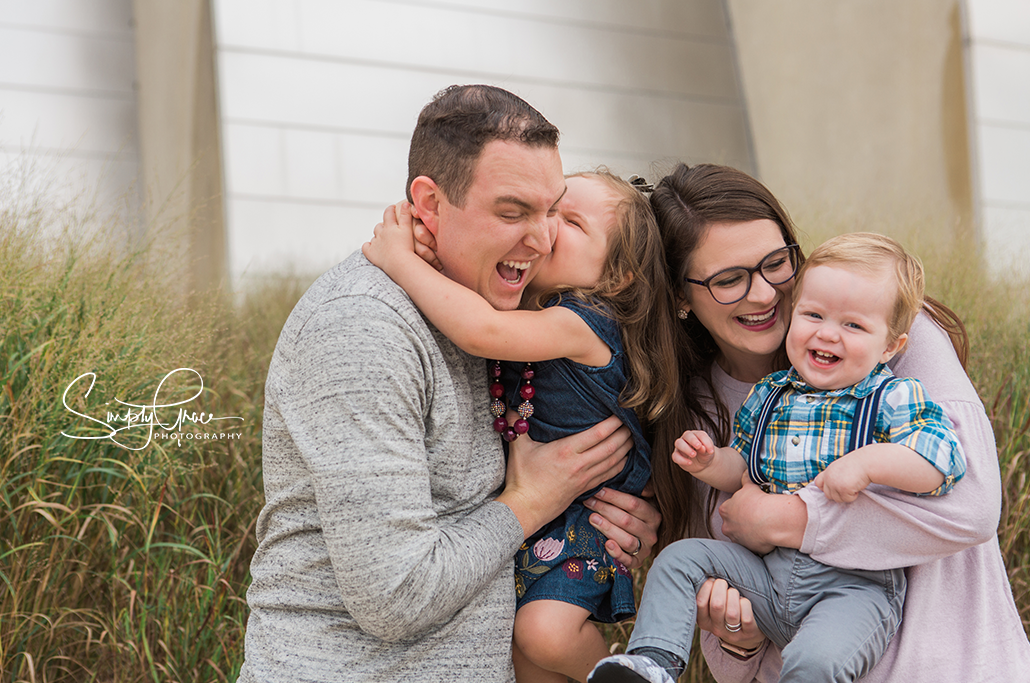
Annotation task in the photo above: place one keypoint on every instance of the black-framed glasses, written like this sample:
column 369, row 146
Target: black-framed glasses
column 733, row 284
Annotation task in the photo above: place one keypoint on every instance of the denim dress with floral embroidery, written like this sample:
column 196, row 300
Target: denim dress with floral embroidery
column 566, row 560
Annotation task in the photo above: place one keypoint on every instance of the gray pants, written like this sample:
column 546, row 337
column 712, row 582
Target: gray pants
column 831, row 624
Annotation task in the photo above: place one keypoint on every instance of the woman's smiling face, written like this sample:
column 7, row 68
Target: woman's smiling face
column 751, row 331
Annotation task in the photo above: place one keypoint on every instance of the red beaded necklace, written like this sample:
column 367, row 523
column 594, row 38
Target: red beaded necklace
column 498, row 406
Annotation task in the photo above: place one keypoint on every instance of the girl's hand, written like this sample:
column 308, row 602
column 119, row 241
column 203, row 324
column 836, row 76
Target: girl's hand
column 694, row 451
column 843, row 479
column 393, row 242
column 425, row 244
column 629, row 522
column 719, row 606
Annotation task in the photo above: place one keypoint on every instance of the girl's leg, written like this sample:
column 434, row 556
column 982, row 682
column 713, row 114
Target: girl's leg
column 556, row 637
column 528, row 672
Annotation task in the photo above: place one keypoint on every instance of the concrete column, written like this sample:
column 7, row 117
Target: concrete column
column 180, row 150
column 858, row 112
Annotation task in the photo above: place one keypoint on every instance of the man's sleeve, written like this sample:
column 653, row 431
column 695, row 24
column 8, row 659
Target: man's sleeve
column 356, row 399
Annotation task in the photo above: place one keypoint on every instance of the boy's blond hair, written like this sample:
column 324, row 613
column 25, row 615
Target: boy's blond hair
column 871, row 253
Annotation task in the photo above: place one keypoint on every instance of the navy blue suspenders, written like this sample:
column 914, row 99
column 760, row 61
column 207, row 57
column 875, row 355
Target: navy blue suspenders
column 862, row 427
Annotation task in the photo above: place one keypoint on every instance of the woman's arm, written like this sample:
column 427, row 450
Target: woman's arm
column 468, row 319
column 884, row 528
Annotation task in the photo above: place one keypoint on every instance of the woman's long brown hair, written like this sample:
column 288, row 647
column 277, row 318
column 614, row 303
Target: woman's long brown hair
column 634, row 290
column 686, row 203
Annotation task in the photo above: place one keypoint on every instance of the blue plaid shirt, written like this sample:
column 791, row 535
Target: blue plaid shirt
column 809, row 428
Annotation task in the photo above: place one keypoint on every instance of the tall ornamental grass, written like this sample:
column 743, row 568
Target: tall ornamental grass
column 118, row 564
column 132, row 565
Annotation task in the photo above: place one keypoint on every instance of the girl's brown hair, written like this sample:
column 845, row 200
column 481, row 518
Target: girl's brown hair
column 634, row 290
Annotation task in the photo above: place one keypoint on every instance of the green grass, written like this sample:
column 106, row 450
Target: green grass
column 132, row 565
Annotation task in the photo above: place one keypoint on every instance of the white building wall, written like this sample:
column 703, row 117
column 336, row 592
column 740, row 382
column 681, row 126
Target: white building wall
column 67, row 100
column 318, row 100
column 999, row 54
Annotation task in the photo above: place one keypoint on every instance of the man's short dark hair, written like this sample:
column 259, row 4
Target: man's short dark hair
column 453, row 129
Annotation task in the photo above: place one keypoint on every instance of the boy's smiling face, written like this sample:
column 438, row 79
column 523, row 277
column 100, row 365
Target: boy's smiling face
column 839, row 329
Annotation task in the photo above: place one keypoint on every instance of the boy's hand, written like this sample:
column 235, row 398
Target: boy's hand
column 694, row 451
column 393, row 240
column 844, row 479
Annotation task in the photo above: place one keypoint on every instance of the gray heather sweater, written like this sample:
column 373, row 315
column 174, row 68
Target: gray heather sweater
column 381, row 556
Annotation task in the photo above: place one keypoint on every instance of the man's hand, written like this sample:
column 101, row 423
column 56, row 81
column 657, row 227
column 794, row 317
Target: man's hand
column 544, row 478
column 694, row 451
column 843, row 479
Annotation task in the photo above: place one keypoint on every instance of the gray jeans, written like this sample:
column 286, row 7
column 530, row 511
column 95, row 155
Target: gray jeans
column 831, row 624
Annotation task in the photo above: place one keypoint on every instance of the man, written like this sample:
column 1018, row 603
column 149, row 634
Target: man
column 385, row 551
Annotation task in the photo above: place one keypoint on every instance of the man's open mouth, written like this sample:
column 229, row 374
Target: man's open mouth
column 512, row 271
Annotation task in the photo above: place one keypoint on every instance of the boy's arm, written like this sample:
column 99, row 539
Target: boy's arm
column 468, row 319
column 720, row 468
column 726, row 470
column 888, row 464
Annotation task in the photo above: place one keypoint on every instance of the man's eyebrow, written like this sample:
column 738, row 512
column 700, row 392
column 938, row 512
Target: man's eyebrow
column 558, row 200
column 518, row 201
column 512, row 199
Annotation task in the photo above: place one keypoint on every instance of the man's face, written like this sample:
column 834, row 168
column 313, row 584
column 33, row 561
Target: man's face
column 495, row 244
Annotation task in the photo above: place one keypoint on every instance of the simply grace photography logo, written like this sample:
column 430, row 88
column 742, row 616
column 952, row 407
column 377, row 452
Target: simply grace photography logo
column 131, row 424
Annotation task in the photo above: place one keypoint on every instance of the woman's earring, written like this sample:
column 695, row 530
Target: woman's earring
column 681, row 314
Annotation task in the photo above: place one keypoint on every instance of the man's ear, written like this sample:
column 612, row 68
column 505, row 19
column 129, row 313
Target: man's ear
column 426, row 199
column 894, row 348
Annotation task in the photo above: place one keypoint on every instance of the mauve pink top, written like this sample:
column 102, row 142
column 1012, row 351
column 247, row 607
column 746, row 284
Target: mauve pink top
column 960, row 622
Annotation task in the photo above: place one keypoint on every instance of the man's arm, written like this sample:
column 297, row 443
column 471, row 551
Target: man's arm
column 385, row 431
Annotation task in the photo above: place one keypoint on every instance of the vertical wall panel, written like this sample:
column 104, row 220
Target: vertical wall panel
column 67, row 99
column 318, row 99
column 999, row 60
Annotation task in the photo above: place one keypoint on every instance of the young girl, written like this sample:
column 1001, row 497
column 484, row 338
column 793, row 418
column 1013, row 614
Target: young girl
column 598, row 341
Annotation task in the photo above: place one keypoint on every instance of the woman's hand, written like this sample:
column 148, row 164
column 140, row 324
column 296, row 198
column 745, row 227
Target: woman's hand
column 629, row 522
column 760, row 521
column 719, row 606
column 544, row 478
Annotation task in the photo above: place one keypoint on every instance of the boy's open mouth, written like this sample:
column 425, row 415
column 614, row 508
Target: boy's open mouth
column 823, row 358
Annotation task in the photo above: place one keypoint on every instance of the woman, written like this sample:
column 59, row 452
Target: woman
column 960, row 621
